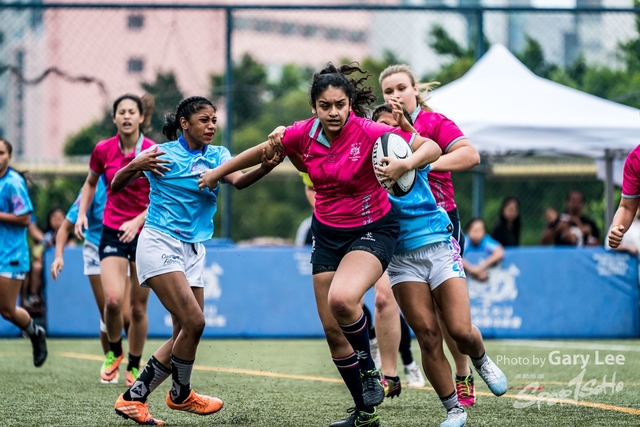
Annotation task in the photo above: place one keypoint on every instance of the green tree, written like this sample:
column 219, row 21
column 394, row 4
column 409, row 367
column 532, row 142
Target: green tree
column 533, row 58
column 167, row 96
column 248, row 92
column 83, row 142
column 630, row 50
column 462, row 59
column 375, row 67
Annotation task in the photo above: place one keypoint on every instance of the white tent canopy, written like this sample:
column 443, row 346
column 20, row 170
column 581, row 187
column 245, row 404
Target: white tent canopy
column 503, row 108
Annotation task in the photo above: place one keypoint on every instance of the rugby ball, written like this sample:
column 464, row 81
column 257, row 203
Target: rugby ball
column 394, row 146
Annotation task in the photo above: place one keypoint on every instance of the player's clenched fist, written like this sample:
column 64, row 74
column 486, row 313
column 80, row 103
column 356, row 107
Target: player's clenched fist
column 209, row 180
column 615, row 236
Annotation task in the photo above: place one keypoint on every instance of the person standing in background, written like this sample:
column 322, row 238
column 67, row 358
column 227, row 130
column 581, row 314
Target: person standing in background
column 123, row 217
column 15, row 215
column 399, row 83
column 507, row 229
column 90, row 254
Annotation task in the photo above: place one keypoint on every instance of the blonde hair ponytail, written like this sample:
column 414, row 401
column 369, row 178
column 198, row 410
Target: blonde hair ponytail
column 423, row 88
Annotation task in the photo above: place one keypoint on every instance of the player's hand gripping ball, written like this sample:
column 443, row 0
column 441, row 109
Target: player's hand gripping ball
column 394, row 146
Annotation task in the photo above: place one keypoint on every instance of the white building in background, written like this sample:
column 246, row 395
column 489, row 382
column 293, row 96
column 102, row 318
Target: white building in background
column 22, row 48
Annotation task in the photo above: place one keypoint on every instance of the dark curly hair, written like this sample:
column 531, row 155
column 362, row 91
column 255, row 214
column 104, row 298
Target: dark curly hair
column 359, row 95
column 185, row 109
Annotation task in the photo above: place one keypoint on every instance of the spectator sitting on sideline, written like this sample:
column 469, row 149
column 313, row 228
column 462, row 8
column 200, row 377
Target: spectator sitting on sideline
column 572, row 228
column 478, row 241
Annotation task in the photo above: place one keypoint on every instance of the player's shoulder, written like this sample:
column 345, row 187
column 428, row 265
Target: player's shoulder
column 14, row 178
column 431, row 116
column 147, row 142
column 302, row 127
column 216, row 151
column 167, row 147
column 365, row 124
column 106, row 144
column 635, row 153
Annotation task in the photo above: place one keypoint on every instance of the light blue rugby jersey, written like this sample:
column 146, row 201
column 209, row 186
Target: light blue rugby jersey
column 422, row 221
column 14, row 199
column 176, row 206
column 94, row 214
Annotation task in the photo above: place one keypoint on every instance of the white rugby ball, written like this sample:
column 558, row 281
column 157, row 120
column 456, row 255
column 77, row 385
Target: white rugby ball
column 394, row 146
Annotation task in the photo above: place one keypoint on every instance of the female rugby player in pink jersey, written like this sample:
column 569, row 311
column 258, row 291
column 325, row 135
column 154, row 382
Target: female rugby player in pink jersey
column 123, row 218
column 354, row 228
column 398, row 82
column 630, row 198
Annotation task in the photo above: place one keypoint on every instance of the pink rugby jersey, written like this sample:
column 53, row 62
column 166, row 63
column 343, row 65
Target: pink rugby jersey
column 348, row 194
column 631, row 175
column 445, row 133
column 123, row 206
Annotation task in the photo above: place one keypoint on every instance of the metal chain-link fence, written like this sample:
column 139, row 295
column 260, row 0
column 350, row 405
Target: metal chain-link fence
column 61, row 66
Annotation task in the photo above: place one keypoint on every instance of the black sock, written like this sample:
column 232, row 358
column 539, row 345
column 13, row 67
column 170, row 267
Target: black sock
column 395, row 379
column 358, row 336
column 349, row 369
column 153, row 374
column 31, row 328
column 134, row 362
column 405, row 342
column 479, row 361
column 181, row 376
column 459, row 378
column 116, row 347
column 367, row 314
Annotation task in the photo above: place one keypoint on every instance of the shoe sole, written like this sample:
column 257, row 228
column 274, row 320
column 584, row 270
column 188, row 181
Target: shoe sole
column 195, row 413
column 394, row 393
column 127, row 417
column 39, row 363
column 114, row 380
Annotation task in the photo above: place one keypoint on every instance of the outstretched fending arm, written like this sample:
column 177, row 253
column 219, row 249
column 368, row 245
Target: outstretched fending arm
column 246, row 159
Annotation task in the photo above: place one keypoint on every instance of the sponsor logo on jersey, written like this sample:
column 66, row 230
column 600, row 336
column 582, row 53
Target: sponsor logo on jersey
column 198, row 168
column 354, row 154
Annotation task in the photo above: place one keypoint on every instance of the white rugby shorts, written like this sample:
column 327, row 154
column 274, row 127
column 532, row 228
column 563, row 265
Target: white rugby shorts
column 432, row 264
column 15, row 276
column 91, row 259
column 158, row 253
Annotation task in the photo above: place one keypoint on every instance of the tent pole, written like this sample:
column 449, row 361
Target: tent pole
column 477, row 191
column 608, row 188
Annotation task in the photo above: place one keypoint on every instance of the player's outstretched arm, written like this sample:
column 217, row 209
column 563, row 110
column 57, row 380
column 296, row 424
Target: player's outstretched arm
column 622, row 220
column 61, row 240
column 246, row 159
column 86, row 197
column 242, row 180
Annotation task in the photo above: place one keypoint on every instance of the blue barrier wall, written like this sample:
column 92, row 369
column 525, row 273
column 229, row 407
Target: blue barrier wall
column 267, row 292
